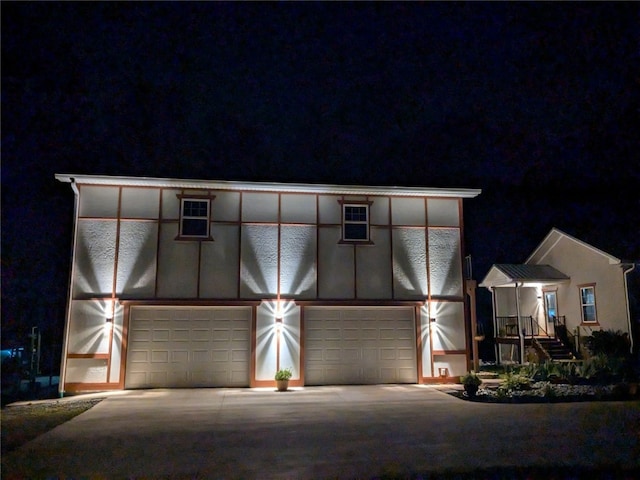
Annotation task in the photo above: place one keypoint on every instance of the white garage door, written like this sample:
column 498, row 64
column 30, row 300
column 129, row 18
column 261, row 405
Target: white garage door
column 188, row 347
column 359, row 345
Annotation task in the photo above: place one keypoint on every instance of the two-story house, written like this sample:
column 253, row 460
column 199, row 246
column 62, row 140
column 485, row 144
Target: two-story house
column 191, row 283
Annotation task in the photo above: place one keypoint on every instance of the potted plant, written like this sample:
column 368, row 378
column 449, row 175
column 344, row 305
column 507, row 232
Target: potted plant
column 471, row 382
column 282, row 379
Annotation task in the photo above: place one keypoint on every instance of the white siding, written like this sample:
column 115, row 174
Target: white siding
column 140, row 203
column 98, row 201
column 298, row 208
column 170, row 204
column 330, row 209
column 374, row 266
column 81, row 370
column 408, row 211
column 219, row 270
column 335, row 269
column 443, row 212
column 260, row 207
column 226, row 207
column 379, row 211
column 178, row 265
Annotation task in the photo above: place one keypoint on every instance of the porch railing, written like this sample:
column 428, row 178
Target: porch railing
column 508, row 326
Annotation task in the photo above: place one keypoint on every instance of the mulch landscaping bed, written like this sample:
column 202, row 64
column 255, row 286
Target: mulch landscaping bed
column 547, row 392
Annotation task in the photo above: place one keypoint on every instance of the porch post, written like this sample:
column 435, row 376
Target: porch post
column 495, row 325
column 520, row 335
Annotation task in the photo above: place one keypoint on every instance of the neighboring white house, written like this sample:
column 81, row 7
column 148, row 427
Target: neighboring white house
column 566, row 288
column 186, row 283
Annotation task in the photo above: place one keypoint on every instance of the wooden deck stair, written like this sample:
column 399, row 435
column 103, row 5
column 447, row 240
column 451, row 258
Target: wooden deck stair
column 555, row 348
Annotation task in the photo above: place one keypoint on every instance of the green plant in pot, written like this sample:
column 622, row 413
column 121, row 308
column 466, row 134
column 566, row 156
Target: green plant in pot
column 471, row 382
column 282, row 379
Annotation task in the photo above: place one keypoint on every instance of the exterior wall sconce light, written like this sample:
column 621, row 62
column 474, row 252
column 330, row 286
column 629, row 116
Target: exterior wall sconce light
column 108, row 320
column 432, row 319
column 278, row 323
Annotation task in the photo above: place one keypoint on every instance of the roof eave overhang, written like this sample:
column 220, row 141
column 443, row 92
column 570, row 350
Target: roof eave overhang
column 267, row 187
column 530, row 282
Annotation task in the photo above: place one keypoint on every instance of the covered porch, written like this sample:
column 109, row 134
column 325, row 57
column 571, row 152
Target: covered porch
column 525, row 312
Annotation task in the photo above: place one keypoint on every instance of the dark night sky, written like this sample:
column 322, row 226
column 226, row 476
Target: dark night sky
column 538, row 104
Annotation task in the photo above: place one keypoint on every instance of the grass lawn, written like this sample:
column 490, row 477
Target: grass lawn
column 24, row 422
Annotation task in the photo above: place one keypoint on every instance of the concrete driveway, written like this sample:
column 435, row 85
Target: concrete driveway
column 326, row 432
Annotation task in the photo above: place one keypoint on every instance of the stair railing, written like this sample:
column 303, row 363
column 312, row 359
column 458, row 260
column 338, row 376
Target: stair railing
column 562, row 333
column 538, row 346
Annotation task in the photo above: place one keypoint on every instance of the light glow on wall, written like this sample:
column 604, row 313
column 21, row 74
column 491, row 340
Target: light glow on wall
column 448, row 330
column 259, row 260
column 409, row 262
column 95, row 256
column 137, row 258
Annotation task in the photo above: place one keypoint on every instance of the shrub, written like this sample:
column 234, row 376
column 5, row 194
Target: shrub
column 514, row 382
column 608, row 342
column 471, row 378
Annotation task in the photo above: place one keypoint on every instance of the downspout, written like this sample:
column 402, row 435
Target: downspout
column 520, row 329
column 495, row 325
column 65, row 340
column 626, row 300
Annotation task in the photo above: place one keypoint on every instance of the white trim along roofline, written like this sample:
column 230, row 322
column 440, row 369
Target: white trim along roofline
column 612, row 260
column 267, row 187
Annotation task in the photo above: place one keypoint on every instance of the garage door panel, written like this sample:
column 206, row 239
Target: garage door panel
column 369, row 333
column 405, row 354
column 179, row 356
column 188, row 347
column 360, row 345
column 159, row 356
column 370, row 354
column 332, row 354
column 157, row 377
column 313, row 354
column 180, row 335
column 138, row 356
column 388, row 354
column 239, row 356
column 406, row 375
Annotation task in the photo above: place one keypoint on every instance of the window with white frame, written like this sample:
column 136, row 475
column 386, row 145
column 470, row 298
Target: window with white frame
column 195, row 217
column 355, row 222
column 588, row 303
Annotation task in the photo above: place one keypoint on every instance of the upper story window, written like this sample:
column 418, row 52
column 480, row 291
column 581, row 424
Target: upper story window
column 195, row 218
column 355, row 222
column 588, row 304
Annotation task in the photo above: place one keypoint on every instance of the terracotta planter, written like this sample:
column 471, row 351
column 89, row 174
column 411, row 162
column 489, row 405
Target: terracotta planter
column 282, row 385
